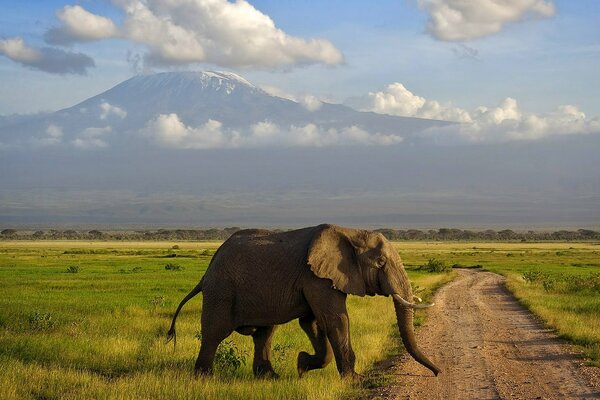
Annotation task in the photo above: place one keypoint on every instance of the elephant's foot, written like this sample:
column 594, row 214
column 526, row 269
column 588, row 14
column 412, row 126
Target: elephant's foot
column 265, row 371
column 303, row 363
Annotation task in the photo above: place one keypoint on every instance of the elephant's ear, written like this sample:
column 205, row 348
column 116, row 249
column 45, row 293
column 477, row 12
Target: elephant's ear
column 331, row 255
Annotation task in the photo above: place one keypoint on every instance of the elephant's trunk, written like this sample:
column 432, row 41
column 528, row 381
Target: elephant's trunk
column 404, row 315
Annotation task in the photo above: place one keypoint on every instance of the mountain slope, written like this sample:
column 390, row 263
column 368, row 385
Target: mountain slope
column 195, row 97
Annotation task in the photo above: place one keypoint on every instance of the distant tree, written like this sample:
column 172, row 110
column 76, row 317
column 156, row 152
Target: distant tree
column 9, row 232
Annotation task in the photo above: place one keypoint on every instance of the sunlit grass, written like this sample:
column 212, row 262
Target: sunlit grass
column 99, row 332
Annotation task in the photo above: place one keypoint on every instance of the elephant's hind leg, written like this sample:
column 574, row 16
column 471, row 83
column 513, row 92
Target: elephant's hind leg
column 323, row 352
column 216, row 326
column 261, row 366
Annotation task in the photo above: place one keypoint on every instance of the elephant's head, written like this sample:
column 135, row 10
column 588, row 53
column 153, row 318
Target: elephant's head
column 362, row 262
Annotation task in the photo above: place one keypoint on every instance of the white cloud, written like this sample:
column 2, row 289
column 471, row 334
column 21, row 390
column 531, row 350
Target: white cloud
column 107, row 109
column 15, row 49
column 170, row 131
column 308, row 101
column 91, row 138
column 53, row 136
column 396, row 99
column 81, row 24
column 507, row 122
column 232, row 34
column 500, row 123
column 455, row 20
column 47, row 59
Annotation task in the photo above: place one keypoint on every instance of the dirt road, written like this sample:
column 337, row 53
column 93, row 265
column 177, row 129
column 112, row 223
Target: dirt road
column 490, row 347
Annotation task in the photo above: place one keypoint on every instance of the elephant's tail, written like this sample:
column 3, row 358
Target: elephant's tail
column 171, row 335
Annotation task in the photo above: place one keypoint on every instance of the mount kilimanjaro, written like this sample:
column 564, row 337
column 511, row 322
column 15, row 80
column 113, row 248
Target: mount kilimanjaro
column 209, row 148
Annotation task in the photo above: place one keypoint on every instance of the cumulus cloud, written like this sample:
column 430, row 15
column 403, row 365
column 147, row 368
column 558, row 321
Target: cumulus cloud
column 91, row 138
column 500, row 123
column 168, row 130
column 215, row 31
column 53, row 136
column 107, row 109
column 79, row 24
column 507, row 121
column 396, row 99
column 47, row 59
column 456, row 20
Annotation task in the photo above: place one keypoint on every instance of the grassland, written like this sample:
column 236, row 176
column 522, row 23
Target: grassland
column 87, row 319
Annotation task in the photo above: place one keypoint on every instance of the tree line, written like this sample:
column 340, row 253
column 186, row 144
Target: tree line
column 224, row 233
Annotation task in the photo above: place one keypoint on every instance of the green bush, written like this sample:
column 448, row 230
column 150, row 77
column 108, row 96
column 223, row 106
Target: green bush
column 39, row 321
column 434, row 265
column 73, row 269
column 173, row 267
column 228, row 357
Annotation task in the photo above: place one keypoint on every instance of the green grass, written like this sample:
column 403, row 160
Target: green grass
column 98, row 330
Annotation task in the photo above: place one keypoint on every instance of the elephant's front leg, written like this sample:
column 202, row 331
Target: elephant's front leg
column 261, row 365
column 329, row 307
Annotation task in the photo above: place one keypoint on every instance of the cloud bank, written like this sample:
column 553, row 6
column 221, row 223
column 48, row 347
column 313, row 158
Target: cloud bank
column 458, row 20
column 167, row 130
column 215, row 31
column 47, row 59
column 500, row 123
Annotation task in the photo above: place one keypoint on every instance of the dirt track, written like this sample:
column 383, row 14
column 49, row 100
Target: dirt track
column 490, row 347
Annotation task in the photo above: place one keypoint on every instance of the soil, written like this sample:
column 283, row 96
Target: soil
column 489, row 347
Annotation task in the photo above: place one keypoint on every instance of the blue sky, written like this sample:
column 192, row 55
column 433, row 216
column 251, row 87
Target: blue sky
column 542, row 61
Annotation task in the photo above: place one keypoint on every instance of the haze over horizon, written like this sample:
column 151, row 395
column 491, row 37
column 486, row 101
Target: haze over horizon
column 424, row 114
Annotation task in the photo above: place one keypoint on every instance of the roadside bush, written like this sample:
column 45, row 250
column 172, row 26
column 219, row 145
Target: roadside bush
column 434, row 265
column 562, row 283
column 534, row 276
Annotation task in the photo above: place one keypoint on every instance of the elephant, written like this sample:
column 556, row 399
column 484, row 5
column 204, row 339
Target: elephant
column 259, row 279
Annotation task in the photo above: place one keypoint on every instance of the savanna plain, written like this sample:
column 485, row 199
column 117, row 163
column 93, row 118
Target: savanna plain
column 88, row 319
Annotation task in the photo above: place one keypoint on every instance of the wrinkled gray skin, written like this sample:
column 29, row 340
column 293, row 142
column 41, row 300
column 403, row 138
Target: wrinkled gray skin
column 259, row 279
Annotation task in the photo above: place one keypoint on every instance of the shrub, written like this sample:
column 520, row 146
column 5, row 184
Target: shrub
column 280, row 351
column 175, row 247
column 173, row 267
column 39, row 321
column 434, row 265
column 157, row 301
column 534, row 276
column 73, row 269
column 228, row 357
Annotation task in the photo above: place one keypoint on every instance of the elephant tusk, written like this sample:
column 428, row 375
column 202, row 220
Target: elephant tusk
column 418, row 299
column 409, row 304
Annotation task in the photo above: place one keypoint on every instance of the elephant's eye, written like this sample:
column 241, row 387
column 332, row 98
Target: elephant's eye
column 381, row 261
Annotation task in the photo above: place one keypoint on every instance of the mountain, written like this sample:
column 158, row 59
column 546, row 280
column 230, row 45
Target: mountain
column 195, row 97
column 101, row 163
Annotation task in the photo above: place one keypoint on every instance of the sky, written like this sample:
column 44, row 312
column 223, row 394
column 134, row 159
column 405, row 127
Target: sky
column 516, row 81
column 543, row 54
